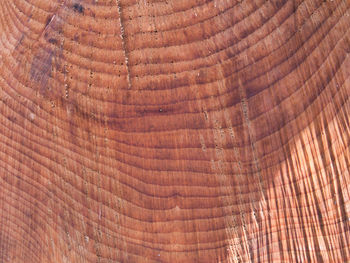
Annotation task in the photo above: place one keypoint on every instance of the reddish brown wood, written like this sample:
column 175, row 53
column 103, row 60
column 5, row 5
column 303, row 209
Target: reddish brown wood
column 174, row 131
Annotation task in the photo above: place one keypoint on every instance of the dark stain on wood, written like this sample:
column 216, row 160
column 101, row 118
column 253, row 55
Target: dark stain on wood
column 53, row 41
column 40, row 69
column 78, row 8
column 47, row 61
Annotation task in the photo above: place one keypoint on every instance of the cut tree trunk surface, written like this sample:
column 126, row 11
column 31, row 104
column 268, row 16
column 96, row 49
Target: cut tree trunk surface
column 174, row 131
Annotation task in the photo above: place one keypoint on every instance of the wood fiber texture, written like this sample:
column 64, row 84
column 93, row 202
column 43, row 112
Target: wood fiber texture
column 174, row 131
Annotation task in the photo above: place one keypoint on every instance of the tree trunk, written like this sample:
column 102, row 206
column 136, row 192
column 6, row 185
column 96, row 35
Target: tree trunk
column 174, row 131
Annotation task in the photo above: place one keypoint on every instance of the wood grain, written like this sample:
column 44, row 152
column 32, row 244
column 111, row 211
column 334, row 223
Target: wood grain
column 174, row 131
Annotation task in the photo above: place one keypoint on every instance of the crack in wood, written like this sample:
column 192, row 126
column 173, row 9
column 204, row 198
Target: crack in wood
column 245, row 111
column 122, row 36
column 51, row 19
